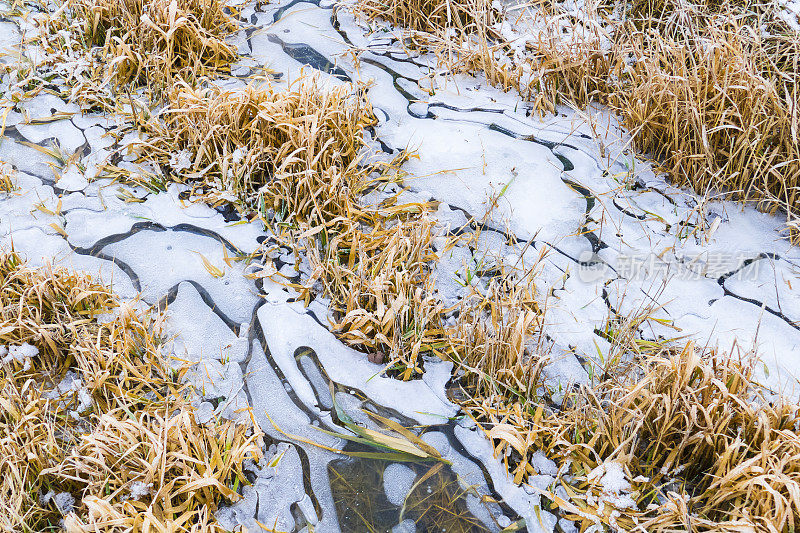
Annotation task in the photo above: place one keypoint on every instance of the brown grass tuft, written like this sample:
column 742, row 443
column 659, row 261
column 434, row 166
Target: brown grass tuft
column 8, row 178
column 713, row 100
column 496, row 337
column 432, row 16
column 152, row 43
column 293, row 155
column 700, row 445
column 720, row 113
column 127, row 402
column 379, row 283
column 187, row 470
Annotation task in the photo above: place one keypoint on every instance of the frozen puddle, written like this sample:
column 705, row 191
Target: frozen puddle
column 619, row 239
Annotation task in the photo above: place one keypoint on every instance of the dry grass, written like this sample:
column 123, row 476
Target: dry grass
column 497, row 337
column 713, row 100
column 127, row 404
column 700, row 446
column 379, row 284
column 8, row 178
column 722, row 115
column 709, row 89
column 189, row 469
column 102, row 52
column 717, row 105
column 465, row 16
column 675, row 14
column 293, row 155
column 152, row 43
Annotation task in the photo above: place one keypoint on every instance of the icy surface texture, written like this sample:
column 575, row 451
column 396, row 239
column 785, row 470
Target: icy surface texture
column 608, row 223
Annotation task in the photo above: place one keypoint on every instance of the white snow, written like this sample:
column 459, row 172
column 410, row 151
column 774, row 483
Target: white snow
column 791, row 13
column 542, row 464
column 21, row 354
column 72, row 179
column 615, row 487
column 139, row 490
column 181, row 160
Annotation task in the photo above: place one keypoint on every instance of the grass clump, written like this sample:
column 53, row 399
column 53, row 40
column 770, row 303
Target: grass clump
column 157, row 466
column 102, row 52
column 497, row 343
column 292, row 155
column 695, row 442
column 152, row 43
column 496, row 335
column 96, row 428
column 431, row 16
column 8, row 178
column 379, row 283
column 718, row 111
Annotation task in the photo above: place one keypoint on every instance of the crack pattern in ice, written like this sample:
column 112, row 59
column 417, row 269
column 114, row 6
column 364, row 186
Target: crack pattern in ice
column 253, row 346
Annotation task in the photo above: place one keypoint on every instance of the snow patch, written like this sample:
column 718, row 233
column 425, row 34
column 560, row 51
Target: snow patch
column 615, row 487
column 21, row 354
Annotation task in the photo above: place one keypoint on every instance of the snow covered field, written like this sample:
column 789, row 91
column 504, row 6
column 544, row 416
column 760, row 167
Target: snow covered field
column 619, row 238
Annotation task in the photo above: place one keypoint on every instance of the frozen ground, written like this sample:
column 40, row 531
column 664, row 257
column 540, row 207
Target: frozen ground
column 618, row 239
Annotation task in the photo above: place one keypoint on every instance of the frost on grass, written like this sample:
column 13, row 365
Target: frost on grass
column 293, row 152
column 79, row 395
column 727, row 72
column 679, row 440
column 432, row 16
column 140, row 42
column 375, row 271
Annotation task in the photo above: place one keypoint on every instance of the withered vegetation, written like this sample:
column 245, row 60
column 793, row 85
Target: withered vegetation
column 101, row 52
column 294, row 152
column 379, row 283
column 465, row 16
column 713, row 100
column 701, row 446
column 708, row 89
column 153, row 43
column 298, row 158
column 97, row 428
